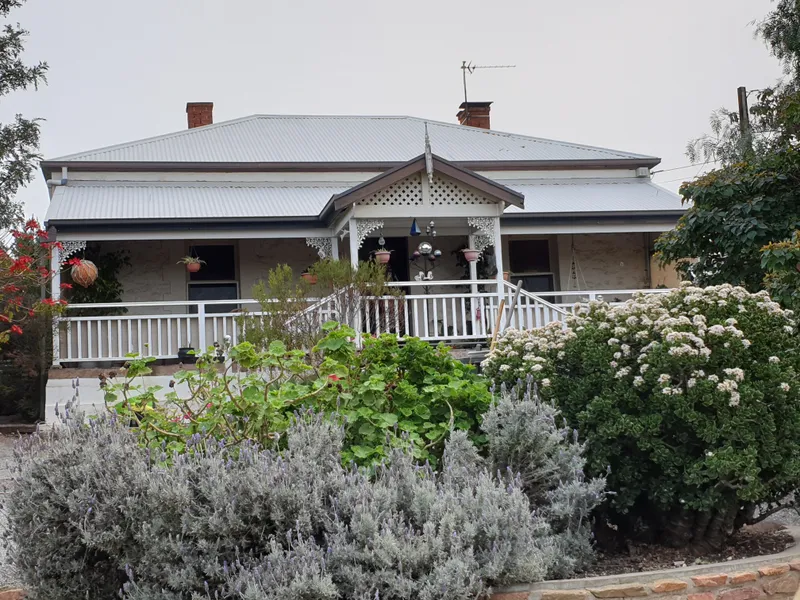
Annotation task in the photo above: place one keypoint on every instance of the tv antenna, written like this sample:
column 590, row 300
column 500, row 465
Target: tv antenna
column 468, row 67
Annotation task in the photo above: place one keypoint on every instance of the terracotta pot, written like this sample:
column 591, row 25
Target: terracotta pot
column 85, row 273
column 193, row 267
column 383, row 256
column 309, row 278
column 471, row 254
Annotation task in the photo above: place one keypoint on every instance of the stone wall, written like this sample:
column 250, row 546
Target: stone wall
column 774, row 577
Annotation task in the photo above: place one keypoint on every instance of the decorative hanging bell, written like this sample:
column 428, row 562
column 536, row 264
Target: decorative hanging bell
column 415, row 230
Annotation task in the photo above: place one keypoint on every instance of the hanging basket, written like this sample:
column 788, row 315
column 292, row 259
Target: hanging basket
column 383, row 256
column 84, row 274
column 193, row 267
column 309, row 278
column 471, row 255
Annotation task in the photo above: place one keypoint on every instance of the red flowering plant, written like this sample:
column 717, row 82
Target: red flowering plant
column 24, row 273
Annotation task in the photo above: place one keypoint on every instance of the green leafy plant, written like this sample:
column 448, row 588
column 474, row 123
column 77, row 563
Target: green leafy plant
column 191, row 260
column 690, row 398
column 412, row 389
column 293, row 309
column 781, row 262
column 250, row 398
column 387, row 395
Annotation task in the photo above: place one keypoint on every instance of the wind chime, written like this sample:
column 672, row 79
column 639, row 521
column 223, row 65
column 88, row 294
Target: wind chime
column 425, row 257
column 577, row 282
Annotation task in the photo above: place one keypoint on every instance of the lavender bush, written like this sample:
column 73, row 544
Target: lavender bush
column 94, row 515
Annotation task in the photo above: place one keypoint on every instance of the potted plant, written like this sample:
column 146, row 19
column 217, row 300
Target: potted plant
column 383, row 255
column 309, row 277
column 471, row 254
column 192, row 263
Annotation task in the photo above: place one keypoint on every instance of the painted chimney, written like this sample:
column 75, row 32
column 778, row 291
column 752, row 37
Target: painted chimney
column 475, row 114
column 199, row 114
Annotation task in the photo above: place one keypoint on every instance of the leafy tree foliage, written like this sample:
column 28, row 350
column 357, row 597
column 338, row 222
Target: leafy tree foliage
column 734, row 212
column 19, row 141
column 751, row 201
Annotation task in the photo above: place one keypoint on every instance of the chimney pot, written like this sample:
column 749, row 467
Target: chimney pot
column 475, row 114
column 199, row 114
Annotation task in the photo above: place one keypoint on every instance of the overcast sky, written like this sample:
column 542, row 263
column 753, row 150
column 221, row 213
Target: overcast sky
column 635, row 75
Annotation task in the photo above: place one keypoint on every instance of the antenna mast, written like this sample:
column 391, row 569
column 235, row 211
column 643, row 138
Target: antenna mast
column 468, row 67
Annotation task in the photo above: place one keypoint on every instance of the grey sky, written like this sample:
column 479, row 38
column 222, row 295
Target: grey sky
column 636, row 75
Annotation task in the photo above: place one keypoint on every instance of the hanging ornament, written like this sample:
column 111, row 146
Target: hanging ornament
column 84, row 273
column 415, row 230
column 381, row 242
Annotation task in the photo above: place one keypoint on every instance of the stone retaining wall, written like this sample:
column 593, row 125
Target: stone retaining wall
column 774, row 577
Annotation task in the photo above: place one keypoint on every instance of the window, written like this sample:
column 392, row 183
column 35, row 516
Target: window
column 529, row 256
column 530, row 262
column 216, row 280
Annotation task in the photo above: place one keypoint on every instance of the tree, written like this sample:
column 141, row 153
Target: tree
column 19, row 141
column 24, row 272
column 752, row 200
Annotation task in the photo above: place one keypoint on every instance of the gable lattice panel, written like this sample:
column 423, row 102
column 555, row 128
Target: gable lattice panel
column 446, row 192
column 407, row 192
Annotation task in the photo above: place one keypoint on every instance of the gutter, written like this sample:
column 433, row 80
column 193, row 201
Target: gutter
column 308, row 167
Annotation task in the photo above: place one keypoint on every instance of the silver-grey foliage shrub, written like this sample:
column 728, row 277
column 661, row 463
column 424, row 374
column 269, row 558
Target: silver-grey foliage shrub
column 524, row 439
column 93, row 515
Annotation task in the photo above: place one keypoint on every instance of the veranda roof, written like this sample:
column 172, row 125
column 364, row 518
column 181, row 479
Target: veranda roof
column 148, row 202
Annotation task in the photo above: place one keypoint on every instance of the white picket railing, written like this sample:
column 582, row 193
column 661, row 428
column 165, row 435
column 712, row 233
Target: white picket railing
column 449, row 311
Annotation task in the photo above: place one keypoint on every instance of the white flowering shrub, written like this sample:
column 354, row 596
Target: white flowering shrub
column 93, row 514
column 689, row 399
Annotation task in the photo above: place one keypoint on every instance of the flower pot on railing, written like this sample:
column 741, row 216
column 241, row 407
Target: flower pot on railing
column 383, row 256
column 471, row 255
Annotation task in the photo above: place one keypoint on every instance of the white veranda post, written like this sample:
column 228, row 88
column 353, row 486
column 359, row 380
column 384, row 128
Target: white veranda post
column 55, row 293
column 498, row 261
column 354, row 242
column 473, row 266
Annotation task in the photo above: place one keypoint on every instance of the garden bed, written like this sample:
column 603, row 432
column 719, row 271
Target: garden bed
column 747, row 543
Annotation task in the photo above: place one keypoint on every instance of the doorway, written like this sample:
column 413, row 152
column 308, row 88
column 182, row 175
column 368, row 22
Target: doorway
column 398, row 267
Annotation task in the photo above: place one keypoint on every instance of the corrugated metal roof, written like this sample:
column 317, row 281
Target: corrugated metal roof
column 272, row 138
column 188, row 201
column 93, row 202
column 594, row 196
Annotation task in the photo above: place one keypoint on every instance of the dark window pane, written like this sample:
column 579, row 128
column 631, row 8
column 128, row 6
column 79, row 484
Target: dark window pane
column 220, row 263
column 529, row 256
column 538, row 283
column 213, row 291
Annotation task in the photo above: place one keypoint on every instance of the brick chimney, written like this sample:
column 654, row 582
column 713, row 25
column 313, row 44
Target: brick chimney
column 475, row 114
column 199, row 114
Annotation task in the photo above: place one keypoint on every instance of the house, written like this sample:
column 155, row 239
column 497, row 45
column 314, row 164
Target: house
column 568, row 220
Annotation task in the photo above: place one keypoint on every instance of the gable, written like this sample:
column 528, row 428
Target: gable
column 408, row 185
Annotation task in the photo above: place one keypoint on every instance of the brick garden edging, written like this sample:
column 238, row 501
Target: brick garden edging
column 772, row 577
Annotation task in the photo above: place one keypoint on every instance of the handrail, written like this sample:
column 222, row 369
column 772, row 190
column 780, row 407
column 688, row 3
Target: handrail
column 536, row 298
